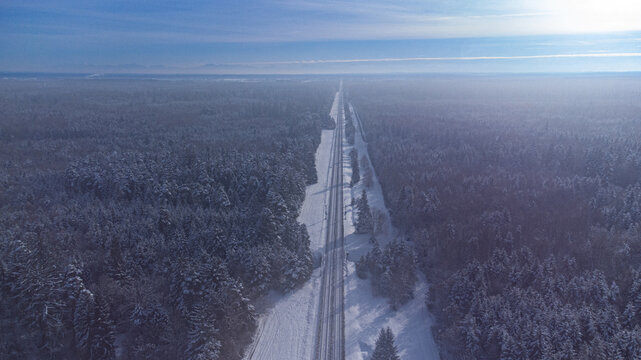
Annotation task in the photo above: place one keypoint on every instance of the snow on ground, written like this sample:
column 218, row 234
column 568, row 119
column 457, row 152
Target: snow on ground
column 287, row 325
column 366, row 314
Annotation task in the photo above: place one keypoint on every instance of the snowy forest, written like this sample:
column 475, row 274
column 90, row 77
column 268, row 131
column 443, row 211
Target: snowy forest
column 143, row 218
column 521, row 199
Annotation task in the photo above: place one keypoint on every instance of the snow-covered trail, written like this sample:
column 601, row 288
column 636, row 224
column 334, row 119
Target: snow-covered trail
column 365, row 314
column 288, row 323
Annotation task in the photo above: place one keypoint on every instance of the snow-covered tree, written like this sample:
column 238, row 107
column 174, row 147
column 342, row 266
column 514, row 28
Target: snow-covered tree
column 363, row 215
column 102, row 332
column 385, row 348
column 356, row 177
column 203, row 343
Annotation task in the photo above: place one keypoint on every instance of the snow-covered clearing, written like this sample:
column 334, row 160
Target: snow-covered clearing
column 366, row 314
column 287, row 325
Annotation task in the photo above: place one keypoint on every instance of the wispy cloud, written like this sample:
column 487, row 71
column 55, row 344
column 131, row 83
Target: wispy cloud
column 41, row 35
column 292, row 20
column 454, row 58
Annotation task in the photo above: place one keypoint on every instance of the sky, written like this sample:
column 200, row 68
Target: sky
column 319, row 36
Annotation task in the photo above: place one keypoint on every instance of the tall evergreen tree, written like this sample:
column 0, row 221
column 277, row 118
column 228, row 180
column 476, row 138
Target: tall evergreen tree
column 385, row 348
column 203, row 343
column 102, row 328
column 364, row 215
column 93, row 328
column 356, row 176
column 82, row 322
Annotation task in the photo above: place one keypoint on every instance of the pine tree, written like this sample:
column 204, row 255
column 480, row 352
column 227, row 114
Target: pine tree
column 82, row 322
column 356, row 177
column 93, row 328
column 364, row 215
column 375, row 260
column 203, row 343
column 399, row 259
column 509, row 347
column 269, row 229
column 385, row 348
column 102, row 331
column 277, row 205
column 116, row 264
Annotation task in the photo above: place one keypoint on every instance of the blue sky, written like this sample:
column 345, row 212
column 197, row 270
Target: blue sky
column 314, row 36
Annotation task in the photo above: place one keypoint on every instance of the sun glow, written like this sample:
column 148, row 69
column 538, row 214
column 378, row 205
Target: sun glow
column 594, row 15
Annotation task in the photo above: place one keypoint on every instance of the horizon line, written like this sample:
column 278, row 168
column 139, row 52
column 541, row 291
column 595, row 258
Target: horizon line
column 6, row 75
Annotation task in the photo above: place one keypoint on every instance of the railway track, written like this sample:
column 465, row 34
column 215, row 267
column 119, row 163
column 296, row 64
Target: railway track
column 330, row 338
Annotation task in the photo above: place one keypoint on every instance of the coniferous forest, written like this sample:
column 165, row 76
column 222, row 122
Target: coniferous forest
column 521, row 197
column 142, row 218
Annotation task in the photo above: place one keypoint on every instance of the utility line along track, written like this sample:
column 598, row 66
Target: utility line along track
column 330, row 338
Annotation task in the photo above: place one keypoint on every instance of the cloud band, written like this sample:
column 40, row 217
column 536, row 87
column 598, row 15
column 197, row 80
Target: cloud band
column 461, row 58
